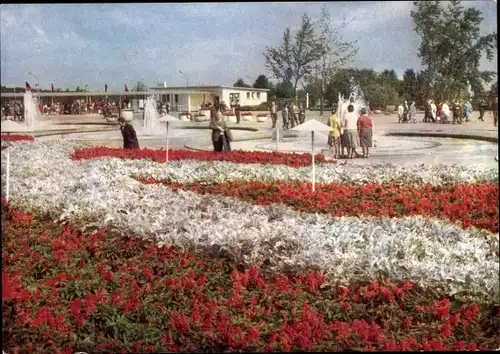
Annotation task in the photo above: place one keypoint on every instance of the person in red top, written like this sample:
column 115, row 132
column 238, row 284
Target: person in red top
column 438, row 111
column 365, row 131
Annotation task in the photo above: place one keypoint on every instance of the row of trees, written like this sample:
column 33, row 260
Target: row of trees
column 450, row 51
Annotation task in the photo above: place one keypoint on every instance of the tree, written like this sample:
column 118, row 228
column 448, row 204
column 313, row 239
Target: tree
column 141, row 87
column 284, row 90
column 452, row 46
column 409, row 86
column 293, row 60
column 380, row 95
column 335, row 52
column 240, row 83
column 262, row 82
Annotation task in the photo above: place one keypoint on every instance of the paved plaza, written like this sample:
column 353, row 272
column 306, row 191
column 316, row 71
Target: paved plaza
column 469, row 143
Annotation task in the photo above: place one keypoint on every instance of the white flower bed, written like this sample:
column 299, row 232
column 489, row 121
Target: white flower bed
column 219, row 171
column 97, row 192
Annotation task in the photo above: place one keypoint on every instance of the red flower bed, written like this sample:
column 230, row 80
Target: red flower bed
column 14, row 137
column 65, row 291
column 471, row 205
column 237, row 156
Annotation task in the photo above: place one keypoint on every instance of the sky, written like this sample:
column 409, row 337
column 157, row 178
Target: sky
column 73, row 45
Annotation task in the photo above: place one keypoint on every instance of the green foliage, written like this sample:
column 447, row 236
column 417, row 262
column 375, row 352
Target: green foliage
column 262, row 82
column 380, row 95
column 284, row 90
column 260, row 107
column 452, row 46
column 293, row 59
column 141, row 87
column 240, row 83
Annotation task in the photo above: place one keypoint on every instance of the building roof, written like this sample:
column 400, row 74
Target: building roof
column 98, row 93
column 209, row 88
column 171, row 90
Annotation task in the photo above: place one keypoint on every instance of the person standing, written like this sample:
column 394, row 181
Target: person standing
column 295, row 111
column 220, row 135
column 427, row 111
column 400, row 112
column 468, row 111
column 274, row 114
column 351, row 129
column 445, row 110
column 237, row 110
column 406, row 112
column 438, row 112
column 433, row 112
column 365, row 131
column 129, row 135
column 290, row 114
column 455, row 111
column 284, row 115
column 334, row 134
column 413, row 112
column 302, row 114
column 482, row 109
column 213, row 112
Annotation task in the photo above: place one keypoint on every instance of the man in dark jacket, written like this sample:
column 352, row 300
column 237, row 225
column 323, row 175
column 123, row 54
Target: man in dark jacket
column 129, row 135
column 237, row 110
column 482, row 109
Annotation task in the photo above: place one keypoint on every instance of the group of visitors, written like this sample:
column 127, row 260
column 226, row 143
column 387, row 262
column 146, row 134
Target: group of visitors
column 163, row 108
column 445, row 112
column 291, row 113
column 14, row 110
column 346, row 130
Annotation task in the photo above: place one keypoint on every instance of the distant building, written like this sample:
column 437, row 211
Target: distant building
column 192, row 97
column 180, row 98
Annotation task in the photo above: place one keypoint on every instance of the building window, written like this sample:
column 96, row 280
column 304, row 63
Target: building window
column 253, row 95
column 248, row 95
column 258, row 95
column 234, row 97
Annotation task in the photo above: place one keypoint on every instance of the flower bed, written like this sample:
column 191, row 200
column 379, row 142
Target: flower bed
column 97, row 192
column 294, row 160
column 15, row 138
column 470, row 205
column 12, row 138
column 64, row 291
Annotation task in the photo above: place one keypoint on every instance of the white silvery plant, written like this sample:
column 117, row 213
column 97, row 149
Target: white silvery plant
column 100, row 192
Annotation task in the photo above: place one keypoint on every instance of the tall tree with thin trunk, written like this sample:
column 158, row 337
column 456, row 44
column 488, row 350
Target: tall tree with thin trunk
column 293, row 59
column 335, row 52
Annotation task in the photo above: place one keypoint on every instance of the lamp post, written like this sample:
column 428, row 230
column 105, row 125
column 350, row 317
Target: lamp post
column 187, row 81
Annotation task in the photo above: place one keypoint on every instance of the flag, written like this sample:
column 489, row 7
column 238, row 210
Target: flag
column 105, row 87
column 126, row 88
column 28, row 86
column 52, row 87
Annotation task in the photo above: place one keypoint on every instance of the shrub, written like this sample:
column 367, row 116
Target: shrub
column 260, row 107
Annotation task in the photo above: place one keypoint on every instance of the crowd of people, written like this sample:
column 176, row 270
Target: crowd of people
column 15, row 109
column 347, row 130
column 445, row 112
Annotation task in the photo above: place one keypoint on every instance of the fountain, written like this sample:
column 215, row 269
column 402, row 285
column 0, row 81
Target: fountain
column 31, row 111
column 150, row 116
column 356, row 98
